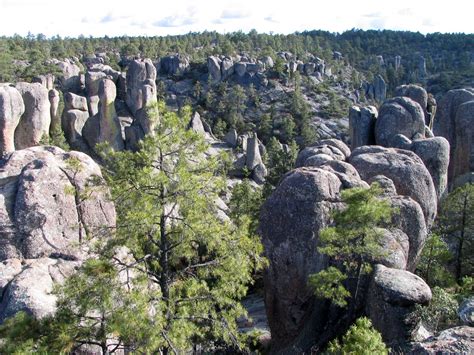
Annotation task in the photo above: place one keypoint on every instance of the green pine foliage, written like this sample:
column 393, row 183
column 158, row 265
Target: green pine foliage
column 352, row 243
column 171, row 277
column 360, row 339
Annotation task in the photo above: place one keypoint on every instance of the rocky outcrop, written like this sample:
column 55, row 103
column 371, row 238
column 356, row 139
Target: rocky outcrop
column 46, row 223
column 417, row 94
column 141, row 76
column 362, row 125
column 392, row 296
column 174, row 65
column 457, row 129
column 105, row 125
column 54, row 99
column 93, row 80
column 458, row 340
column 35, row 121
column 214, row 68
column 73, row 119
column 71, row 79
column 404, row 168
column 300, row 207
column 11, row 110
column 400, row 115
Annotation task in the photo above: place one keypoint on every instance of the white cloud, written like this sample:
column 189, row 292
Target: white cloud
column 151, row 17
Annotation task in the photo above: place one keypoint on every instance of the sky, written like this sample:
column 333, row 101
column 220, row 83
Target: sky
column 150, row 18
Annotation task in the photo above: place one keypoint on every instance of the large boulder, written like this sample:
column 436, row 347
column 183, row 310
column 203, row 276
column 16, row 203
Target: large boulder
column 380, row 88
column 140, row 73
column 71, row 78
column 43, row 211
column 466, row 312
column 35, row 121
column 11, row 110
column 445, row 125
column 392, row 296
column 463, row 154
column 93, row 80
column 54, row 99
column 174, row 64
column 417, row 94
column 105, row 125
column 404, row 168
column 362, row 125
column 214, row 68
column 46, row 224
column 400, row 115
column 290, row 222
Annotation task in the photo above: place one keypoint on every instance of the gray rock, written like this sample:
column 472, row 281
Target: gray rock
column 70, row 80
column 8, row 270
column 11, row 110
column 46, row 80
column 268, row 62
column 463, row 154
column 253, row 157
column 417, row 94
column 380, row 89
column 318, row 160
column 37, row 217
column 72, row 123
column 214, row 68
column 404, row 168
column 458, row 340
column 105, row 126
column 422, row 73
column 259, row 173
column 93, row 80
column 309, row 68
column 240, row 68
column 227, row 68
column 336, row 143
column 435, row 155
column 231, row 138
column 362, row 125
column 392, row 296
column 35, row 121
column 399, row 115
column 196, row 124
column 445, row 123
column 398, row 62
column 140, row 73
column 54, row 110
column 466, row 312
column 330, row 150
column 174, row 64
column 290, row 221
column 74, row 102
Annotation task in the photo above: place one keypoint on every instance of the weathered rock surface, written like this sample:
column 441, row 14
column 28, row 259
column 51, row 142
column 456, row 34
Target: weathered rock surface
column 11, row 110
column 458, row 340
column 290, row 222
column 417, row 94
column 70, row 79
column 44, row 223
column 446, row 125
column 392, row 296
column 35, row 121
column 404, row 168
column 140, row 74
column 93, row 80
column 400, row 115
column 214, row 68
column 362, row 125
column 105, row 125
column 463, row 154
column 174, row 65
column 54, row 111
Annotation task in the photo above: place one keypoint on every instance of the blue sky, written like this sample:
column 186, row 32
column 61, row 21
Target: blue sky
column 145, row 17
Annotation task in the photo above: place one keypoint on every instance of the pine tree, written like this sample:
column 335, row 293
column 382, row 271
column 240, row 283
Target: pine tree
column 182, row 268
column 456, row 224
column 352, row 244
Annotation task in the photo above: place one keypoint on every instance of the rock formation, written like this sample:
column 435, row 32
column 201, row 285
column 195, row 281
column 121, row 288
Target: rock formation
column 105, row 125
column 174, row 65
column 45, row 230
column 454, row 121
column 73, row 119
column 11, row 110
column 362, row 125
column 300, row 207
column 141, row 76
column 35, row 121
column 54, row 111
